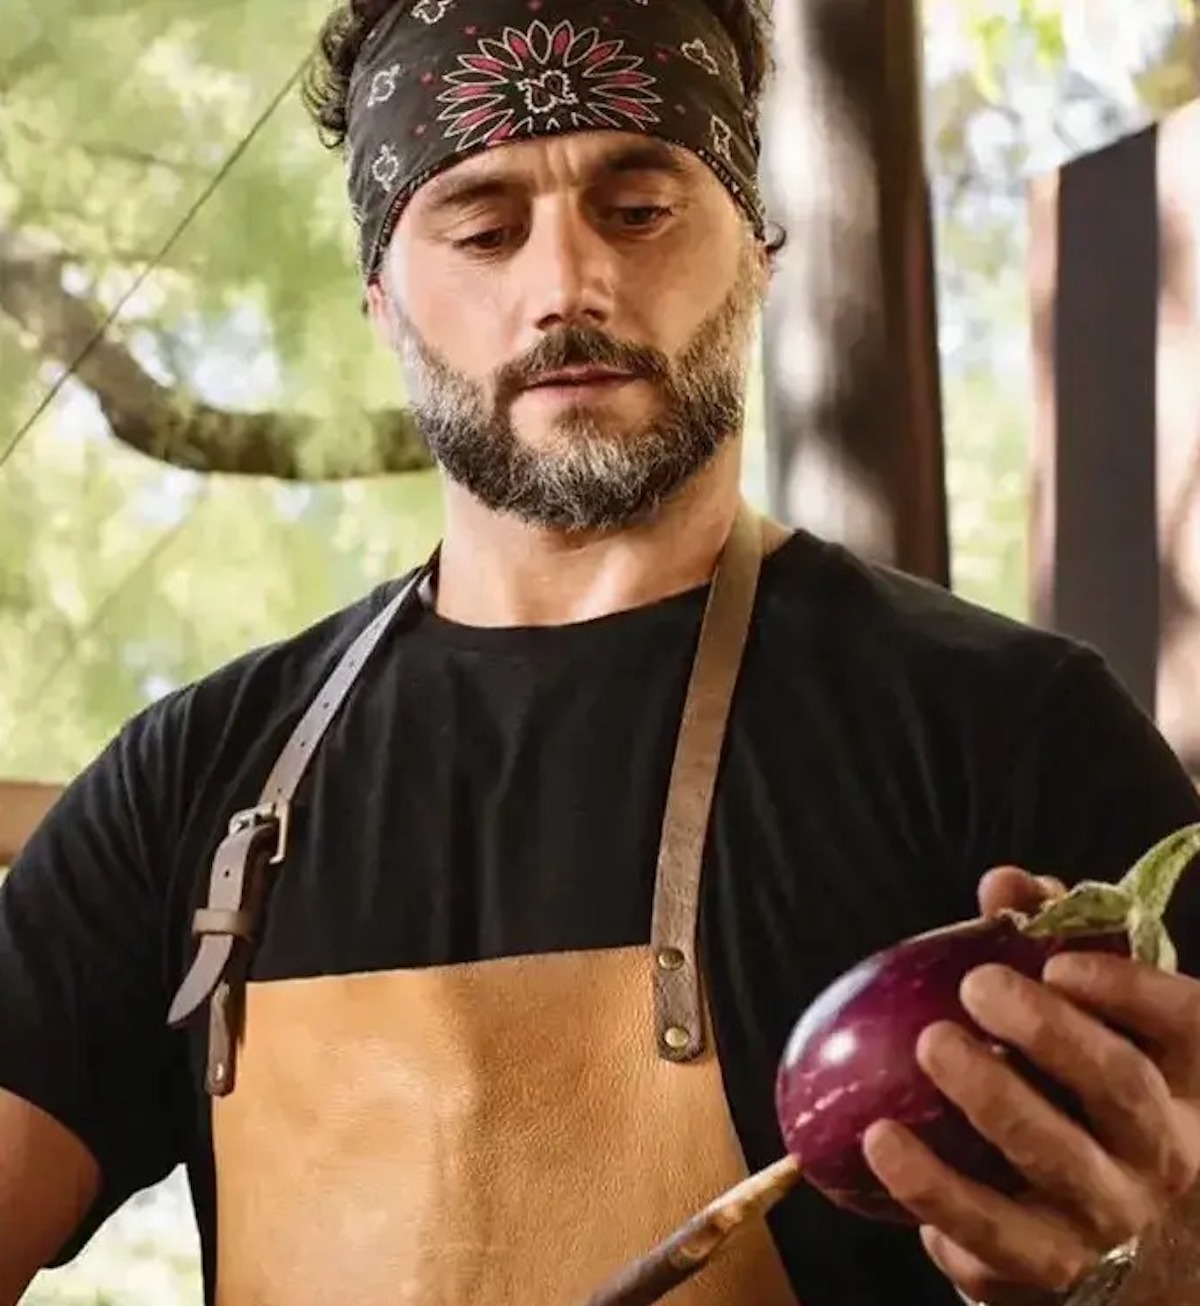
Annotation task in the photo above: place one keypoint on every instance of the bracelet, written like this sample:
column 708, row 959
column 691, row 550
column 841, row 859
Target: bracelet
column 1099, row 1285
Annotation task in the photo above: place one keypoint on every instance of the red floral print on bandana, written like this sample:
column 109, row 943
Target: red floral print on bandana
column 545, row 79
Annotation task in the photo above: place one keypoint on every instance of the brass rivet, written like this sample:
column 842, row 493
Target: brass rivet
column 669, row 959
column 676, row 1038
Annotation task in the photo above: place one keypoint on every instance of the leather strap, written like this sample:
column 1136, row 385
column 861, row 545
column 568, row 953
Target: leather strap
column 289, row 769
column 678, row 1004
column 218, row 920
column 257, row 838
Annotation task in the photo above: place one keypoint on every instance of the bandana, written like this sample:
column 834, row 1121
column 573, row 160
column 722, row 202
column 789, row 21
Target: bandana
column 440, row 80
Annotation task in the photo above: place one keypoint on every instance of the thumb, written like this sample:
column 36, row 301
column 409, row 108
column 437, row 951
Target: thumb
column 1017, row 890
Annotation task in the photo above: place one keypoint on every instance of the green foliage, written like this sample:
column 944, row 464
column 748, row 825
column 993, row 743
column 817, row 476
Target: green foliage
column 115, row 119
column 120, row 578
column 997, row 31
column 132, row 581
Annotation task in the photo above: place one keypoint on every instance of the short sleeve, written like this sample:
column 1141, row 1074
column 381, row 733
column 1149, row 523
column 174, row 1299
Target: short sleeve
column 1096, row 786
column 83, row 971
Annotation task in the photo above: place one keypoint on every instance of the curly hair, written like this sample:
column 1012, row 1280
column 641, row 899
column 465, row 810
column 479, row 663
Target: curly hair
column 327, row 79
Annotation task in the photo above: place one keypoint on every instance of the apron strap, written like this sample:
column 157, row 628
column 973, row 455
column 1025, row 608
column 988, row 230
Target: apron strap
column 258, row 839
column 678, row 1004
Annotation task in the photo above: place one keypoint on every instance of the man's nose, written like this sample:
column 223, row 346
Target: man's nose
column 572, row 271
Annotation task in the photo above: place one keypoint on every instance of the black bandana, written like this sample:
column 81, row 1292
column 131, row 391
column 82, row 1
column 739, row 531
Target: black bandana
column 440, row 80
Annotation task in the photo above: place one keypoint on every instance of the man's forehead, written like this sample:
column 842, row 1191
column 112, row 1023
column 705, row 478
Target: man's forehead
column 593, row 154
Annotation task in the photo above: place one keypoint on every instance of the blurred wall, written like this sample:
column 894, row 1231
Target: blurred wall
column 1115, row 282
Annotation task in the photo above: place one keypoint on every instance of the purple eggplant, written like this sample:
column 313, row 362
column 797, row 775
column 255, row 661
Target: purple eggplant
column 851, row 1058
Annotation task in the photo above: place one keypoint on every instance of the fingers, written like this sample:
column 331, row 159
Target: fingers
column 1060, row 1159
column 1161, row 1007
column 1009, row 888
column 1123, row 1092
column 972, row 1276
column 1022, row 1246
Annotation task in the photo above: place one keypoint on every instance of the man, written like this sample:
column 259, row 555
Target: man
column 418, row 1048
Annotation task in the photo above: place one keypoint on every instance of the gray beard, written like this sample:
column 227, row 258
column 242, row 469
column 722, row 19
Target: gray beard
column 594, row 477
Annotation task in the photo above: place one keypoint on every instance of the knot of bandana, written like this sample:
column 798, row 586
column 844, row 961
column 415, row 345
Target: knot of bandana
column 440, row 80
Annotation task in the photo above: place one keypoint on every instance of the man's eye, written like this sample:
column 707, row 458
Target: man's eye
column 636, row 217
column 484, row 242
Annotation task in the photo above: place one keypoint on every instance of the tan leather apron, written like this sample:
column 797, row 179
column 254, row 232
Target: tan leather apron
column 490, row 1134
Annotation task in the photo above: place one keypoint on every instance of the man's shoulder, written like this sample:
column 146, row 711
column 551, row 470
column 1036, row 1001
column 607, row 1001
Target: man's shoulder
column 869, row 614
column 236, row 717
column 293, row 664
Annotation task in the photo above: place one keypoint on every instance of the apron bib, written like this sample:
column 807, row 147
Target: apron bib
column 507, row 1132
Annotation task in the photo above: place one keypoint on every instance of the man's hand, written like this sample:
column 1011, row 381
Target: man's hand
column 1089, row 1192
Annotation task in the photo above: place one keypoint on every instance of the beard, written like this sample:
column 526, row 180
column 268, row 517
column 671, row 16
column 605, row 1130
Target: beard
column 595, row 473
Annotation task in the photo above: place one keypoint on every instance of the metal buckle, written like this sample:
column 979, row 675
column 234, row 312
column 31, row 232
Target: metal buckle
column 277, row 814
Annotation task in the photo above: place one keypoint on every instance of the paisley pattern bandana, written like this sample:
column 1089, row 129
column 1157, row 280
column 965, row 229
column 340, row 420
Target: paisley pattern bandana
column 440, row 80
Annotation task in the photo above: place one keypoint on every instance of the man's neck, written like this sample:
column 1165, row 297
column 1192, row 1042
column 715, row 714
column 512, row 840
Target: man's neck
column 498, row 571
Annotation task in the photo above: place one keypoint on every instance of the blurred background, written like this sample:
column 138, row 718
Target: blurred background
column 158, row 178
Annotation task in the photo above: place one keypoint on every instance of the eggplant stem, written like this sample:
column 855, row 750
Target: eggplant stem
column 1134, row 907
column 1156, row 873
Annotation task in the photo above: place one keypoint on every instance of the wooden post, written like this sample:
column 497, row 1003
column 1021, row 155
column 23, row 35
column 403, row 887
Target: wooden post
column 853, row 403
column 1115, row 282
column 23, row 803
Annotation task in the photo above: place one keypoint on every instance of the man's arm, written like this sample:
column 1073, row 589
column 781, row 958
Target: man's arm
column 48, row 1181
column 94, row 1099
column 1097, row 788
column 1093, row 788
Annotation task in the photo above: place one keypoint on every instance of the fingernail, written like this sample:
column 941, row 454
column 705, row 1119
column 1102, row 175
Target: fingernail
column 984, row 985
column 883, row 1140
column 941, row 1046
column 1068, row 968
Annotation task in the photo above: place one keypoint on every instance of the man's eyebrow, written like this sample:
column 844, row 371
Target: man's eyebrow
column 643, row 156
column 447, row 193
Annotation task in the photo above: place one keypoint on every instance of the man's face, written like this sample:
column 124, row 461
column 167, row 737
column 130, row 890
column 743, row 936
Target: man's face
column 574, row 314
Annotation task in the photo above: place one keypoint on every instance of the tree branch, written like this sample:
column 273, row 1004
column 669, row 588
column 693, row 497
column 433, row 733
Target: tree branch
column 165, row 423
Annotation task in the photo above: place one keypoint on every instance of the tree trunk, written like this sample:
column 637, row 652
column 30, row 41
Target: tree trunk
column 853, row 401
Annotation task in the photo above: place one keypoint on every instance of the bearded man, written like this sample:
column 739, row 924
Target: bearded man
column 452, row 944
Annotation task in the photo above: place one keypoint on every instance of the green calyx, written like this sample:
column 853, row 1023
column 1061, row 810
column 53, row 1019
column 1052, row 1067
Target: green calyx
column 1135, row 906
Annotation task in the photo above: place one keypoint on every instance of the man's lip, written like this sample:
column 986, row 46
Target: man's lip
column 578, row 376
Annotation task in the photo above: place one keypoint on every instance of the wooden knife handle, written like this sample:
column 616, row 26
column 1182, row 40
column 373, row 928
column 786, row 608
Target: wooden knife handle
column 690, row 1248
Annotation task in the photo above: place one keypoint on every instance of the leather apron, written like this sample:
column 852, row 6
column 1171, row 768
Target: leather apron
column 499, row 1133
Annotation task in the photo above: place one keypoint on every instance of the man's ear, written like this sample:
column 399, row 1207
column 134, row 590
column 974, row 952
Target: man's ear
column 383, row 314
column 774, row 240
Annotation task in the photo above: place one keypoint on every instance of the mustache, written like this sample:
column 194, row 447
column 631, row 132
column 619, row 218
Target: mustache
column 579, row 347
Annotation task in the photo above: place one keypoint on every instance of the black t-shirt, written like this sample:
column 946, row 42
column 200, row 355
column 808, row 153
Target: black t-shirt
column 492, row 792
